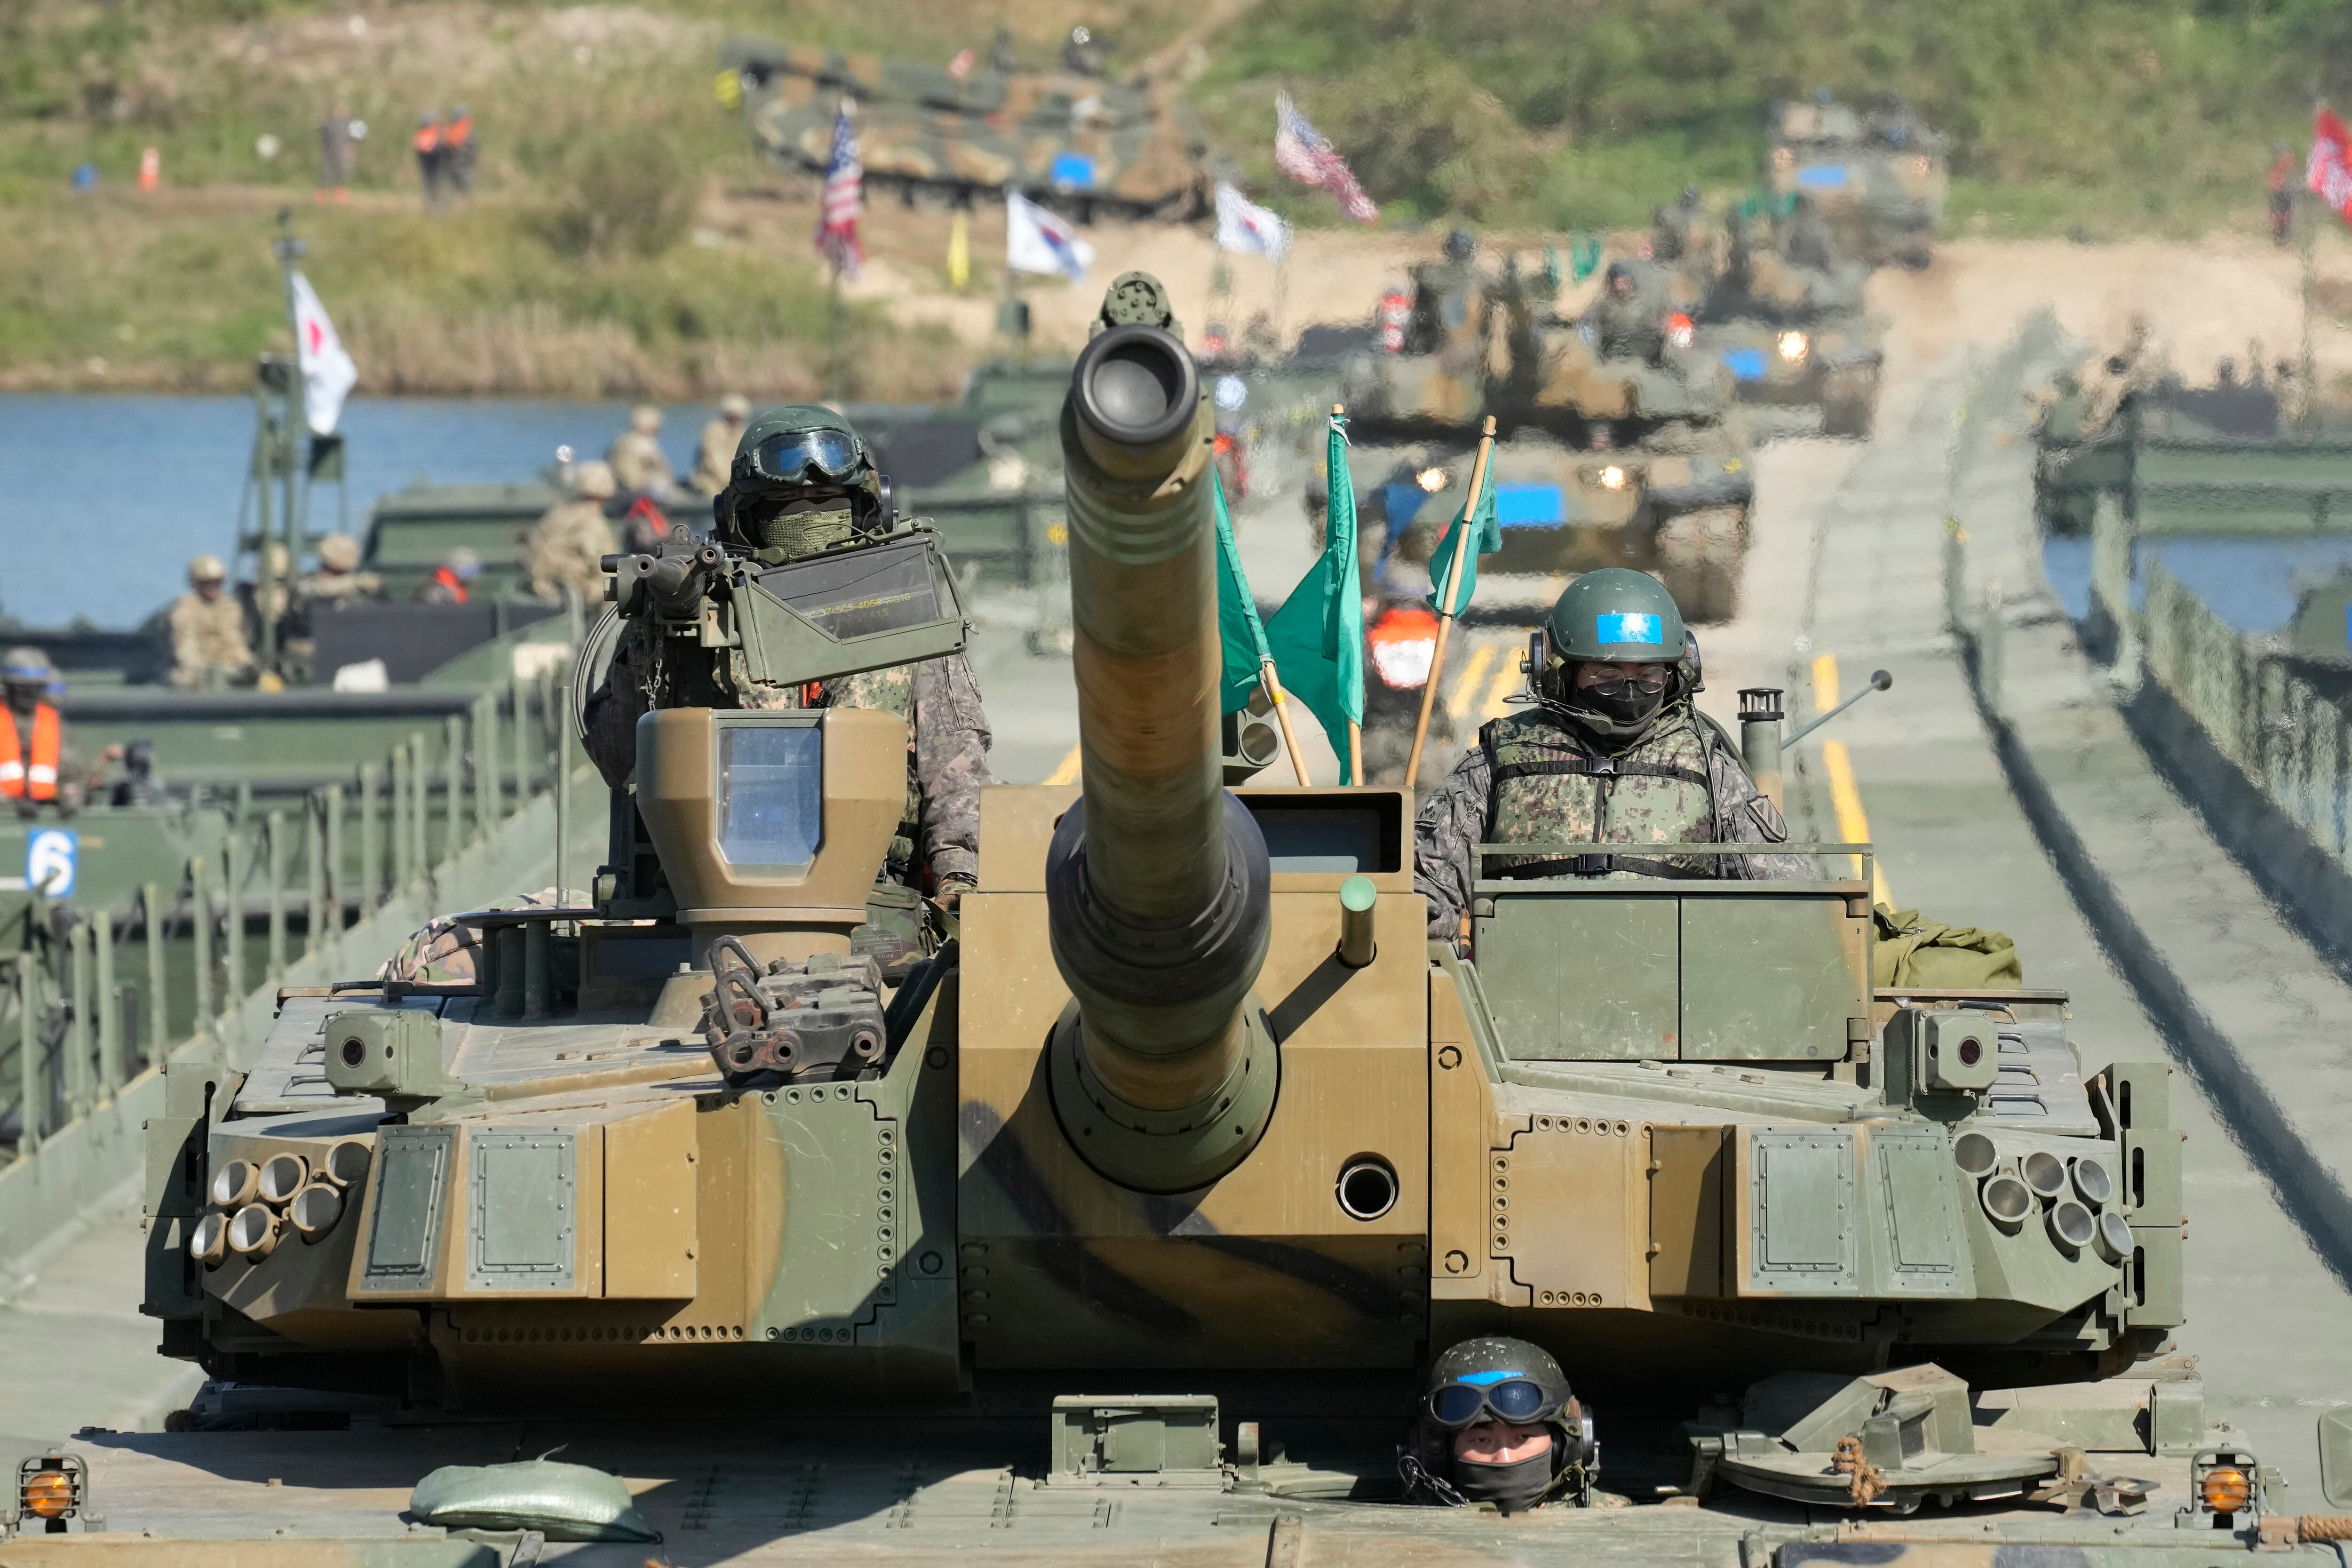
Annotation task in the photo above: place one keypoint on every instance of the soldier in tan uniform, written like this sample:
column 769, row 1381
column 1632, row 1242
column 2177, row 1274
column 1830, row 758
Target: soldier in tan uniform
column 801, row 482
column 638, row 464
column 1612, row 752
column 337, row 580
column 207, row 629
column 566, row 547
column 714, row 455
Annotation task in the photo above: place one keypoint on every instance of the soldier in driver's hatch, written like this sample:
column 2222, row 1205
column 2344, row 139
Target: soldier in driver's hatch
column 1497, row 1424
column 1627, row 320
column 1611, row 751
column 803, row 482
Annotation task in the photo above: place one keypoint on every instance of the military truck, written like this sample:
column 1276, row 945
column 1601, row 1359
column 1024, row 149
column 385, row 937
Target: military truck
column 1879, row 179
column 1081, row 143
column 1122, row 1218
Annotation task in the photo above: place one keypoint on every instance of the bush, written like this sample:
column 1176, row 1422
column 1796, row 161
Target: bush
column 626, row 192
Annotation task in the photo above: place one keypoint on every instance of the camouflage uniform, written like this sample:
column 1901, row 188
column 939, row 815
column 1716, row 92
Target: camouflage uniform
column 638, row 462
column 208, row 641
column 947, row 734
column 565, row 547
column 714, row 455
column 1533, row 778
column 1628, row 325
column 323, row 589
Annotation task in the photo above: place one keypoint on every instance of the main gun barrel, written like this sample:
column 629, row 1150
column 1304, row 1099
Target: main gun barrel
column 1156, row 882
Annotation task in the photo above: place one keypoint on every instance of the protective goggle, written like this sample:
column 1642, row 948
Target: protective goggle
column 1648, row 683
column 1504, row 1396
column 787, row 458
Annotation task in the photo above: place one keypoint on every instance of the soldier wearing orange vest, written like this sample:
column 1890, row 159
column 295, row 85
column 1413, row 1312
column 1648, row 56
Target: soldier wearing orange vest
column 36, row 770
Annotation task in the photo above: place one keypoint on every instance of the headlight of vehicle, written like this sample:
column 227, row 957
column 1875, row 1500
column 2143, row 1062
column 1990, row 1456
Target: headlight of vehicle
column 1431, row 480
column 1793, row 346
column 1609, row 477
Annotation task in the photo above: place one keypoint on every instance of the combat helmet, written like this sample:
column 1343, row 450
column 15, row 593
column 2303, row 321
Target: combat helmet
column 27, row 667
column 1615, row 616
column 1495, row 1378
column 803, row 480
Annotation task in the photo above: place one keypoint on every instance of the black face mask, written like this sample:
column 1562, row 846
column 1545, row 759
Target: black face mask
column 1620, row 704
column 1513, row 1487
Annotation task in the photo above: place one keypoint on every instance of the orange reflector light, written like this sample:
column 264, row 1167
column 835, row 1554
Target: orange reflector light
column 2226, row 1490
column 48, row 1494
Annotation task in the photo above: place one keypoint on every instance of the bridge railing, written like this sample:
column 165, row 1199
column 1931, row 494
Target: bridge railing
column 2286, row 734
column 91, row 998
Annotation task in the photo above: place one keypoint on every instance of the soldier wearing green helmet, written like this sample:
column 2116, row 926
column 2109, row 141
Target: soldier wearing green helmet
column 1610, row 752
column 804, row 482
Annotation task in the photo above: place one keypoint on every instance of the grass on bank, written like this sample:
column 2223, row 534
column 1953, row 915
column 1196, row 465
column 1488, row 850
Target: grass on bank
column 581, row 272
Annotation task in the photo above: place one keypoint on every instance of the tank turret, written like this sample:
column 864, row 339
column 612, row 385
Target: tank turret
column 1156, row 879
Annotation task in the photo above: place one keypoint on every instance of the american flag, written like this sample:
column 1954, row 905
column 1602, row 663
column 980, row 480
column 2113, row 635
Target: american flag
column 1301, row 152
column 843, row 198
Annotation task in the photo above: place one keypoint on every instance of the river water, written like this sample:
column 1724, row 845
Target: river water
column 104, row 499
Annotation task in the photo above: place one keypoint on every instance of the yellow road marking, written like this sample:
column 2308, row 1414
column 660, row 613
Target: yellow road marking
column 1506, row 682
column 1825, row 682
column 1852, row 825
column 1068, row 774
column 1480, row 657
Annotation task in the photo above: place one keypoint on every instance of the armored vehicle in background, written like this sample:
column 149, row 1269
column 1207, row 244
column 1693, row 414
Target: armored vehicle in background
column 1878, row 178
column 1135, row 1205
column 1602, row 460
column 1793, row 336
column 1080, row 142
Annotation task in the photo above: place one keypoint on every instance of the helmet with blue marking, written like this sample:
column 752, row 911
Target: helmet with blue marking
column 1616, row 616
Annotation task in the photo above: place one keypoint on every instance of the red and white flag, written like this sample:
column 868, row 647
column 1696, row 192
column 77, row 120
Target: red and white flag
column 2328, row 176
column 843, row 198
column 328, row 373
column 1302, row 152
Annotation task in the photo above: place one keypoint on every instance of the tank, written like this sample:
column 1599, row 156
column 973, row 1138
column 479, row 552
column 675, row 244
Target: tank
column 1599, row 460
column 1879, row 178
column 1126, row 1218
column 1080, row 142
column 1793, row 336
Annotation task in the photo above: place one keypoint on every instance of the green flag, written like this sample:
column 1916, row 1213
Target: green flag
column 1317, row 635
column 1485, row 537
column 1584, row 254
column 1238, row 627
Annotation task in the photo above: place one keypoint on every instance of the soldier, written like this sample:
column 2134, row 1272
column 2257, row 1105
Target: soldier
column 452, row 581
column 803, row 482
column 1613, row 751
column 1497, row 1422
column 337, row 134
column 1626, row 319
column 336, row 585
column 39, row 767
column 1806, row 240
column 208, row 626
column 337, row 581
column 1443, row 292
column 637, row 462
column 1673, row 229
column 565, row 548
column 715, row 454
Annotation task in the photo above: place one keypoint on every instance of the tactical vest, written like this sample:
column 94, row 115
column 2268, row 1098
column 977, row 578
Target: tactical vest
column 1550, row 787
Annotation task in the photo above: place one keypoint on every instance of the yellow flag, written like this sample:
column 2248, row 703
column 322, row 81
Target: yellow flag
column 960, row 251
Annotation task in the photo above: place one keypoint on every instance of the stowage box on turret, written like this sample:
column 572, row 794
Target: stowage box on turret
column 1135, row 1205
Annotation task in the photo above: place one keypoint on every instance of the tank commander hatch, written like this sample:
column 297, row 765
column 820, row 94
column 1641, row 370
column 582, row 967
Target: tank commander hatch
column 1611, row 751
column 803, row 482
